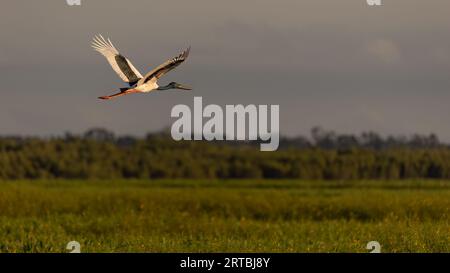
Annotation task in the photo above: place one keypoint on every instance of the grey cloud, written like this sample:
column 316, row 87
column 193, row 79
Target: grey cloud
column 339, row 64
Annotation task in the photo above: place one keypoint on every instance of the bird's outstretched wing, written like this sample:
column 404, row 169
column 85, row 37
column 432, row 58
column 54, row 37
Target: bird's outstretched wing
column 121, row 65
column 164, row 68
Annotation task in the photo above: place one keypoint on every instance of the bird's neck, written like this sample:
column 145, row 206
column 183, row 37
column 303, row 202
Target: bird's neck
column 162, row 88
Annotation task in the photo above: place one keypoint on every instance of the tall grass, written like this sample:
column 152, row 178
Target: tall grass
column 224, row 216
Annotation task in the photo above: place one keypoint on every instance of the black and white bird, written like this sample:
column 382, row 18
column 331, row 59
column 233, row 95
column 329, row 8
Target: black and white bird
column 129, row 74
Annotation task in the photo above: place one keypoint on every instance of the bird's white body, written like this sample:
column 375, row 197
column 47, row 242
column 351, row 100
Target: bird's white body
column 129, row 74
column 147, row 87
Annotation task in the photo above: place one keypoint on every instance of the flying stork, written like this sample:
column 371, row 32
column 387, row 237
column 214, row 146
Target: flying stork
column 129, row 74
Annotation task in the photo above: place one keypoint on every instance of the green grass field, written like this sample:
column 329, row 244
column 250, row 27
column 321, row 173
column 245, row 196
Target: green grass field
column 224, row 216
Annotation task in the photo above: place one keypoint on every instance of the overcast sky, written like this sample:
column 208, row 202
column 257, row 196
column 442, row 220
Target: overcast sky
column 339, row 64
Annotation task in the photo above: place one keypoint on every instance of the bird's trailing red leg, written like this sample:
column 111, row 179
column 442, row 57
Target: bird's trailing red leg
column 129, row 91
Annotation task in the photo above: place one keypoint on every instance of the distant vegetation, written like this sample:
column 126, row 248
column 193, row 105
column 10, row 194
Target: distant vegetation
column 325, row 155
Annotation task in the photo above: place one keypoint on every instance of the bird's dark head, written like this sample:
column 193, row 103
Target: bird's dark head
column 175, row 85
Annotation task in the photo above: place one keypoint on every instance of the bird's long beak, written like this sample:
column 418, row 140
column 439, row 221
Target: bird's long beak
column 183, row 87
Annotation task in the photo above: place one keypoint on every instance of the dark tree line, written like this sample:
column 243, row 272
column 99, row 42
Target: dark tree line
column 326, row 155
column 326, row 139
